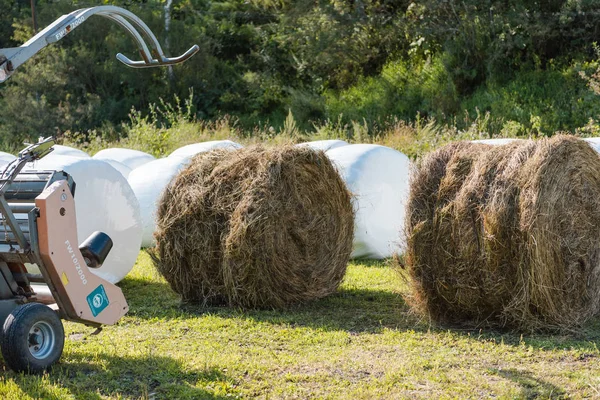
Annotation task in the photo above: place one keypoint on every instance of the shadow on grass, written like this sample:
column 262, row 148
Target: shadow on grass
column 96, row 377
column 354, row 310
column 584, row 342
column 531, row 387
column 351, row 310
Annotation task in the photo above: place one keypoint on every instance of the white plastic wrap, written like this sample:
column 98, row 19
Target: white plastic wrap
column 148, row 183
column 594, row 142
column 104, row 202
column 324, row 145
column 6, row 158
column 122, row 168
column 378, row 177
column 60, row 151
column 130, row 158
column 189, row 151
column 495, row 142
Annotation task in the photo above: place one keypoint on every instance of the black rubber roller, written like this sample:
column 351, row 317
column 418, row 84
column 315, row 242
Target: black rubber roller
column 95, row 249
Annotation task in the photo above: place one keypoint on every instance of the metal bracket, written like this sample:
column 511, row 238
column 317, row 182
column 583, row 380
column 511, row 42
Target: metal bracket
column 12, row 58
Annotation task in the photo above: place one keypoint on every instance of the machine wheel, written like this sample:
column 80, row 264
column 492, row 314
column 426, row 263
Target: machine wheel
column 33, row 338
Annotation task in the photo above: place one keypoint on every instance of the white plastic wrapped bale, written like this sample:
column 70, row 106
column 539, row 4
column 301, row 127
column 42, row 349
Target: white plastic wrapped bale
column 128, row 157
column 189, row 151
column 594, row 142
column 495, row 142
column 104, row 202
column 122, row 168
column 61, row 151
column 324, row 145
column 148, row 183
column 378, row 177
column 6, row 158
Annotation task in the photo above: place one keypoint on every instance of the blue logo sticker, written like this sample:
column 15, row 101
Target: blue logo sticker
column 97, row 300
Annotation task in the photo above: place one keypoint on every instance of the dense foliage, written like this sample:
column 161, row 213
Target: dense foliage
column 325, row 60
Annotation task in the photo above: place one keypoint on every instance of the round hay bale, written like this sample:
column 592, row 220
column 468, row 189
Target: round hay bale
column 148, row 182
column 594, row 142
column 119, row 166
column 496, row 141
column 255, row 228
column 189, row 151
column 62, row 151
column 5, row 159
column 130, row 158
column 507, row 235
column 104, row 202
column 378, row 178
column 324, row 145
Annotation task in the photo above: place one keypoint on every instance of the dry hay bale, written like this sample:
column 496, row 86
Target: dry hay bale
column 255, row 227
column 507, row 235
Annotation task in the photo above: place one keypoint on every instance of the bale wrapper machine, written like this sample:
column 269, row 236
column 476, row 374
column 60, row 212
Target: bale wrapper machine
column 38, row 225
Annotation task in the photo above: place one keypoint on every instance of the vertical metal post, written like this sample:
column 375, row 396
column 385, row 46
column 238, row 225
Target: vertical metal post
column 167, row 44
column 33, row 17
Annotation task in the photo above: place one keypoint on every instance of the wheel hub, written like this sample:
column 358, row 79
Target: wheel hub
column 41, row 340
column 35, row 338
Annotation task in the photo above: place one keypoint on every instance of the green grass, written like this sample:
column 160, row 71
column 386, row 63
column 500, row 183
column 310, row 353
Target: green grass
column 361, row 343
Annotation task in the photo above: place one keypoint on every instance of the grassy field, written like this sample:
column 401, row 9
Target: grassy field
column 361, row 343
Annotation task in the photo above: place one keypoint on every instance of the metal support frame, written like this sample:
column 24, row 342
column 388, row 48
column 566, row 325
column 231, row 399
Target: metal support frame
column 12, row 58
column 28, row 246
column 30, row 153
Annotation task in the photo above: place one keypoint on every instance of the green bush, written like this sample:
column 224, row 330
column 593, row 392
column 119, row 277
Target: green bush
column 402, row 90
column 550, row 100
column 370, row 61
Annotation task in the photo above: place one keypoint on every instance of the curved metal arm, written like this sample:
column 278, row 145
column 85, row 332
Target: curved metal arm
column 154, row 63
column 12, row 58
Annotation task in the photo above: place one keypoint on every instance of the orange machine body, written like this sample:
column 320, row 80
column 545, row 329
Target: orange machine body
column 81, row 295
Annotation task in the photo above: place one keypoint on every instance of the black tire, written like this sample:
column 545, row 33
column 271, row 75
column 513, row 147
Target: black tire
column 33, row 338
